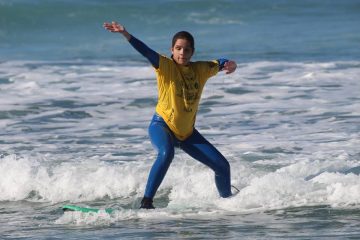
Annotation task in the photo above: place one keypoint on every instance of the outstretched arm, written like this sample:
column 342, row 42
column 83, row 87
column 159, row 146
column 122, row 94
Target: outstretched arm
column 147, row 52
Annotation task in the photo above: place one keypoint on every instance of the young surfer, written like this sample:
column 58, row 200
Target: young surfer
column 180, row 83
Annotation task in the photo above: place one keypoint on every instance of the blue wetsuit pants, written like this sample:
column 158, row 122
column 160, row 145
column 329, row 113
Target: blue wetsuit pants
column 164, row 141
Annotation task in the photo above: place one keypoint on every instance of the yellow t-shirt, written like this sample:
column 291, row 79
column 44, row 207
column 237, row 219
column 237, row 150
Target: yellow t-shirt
column 179, row 92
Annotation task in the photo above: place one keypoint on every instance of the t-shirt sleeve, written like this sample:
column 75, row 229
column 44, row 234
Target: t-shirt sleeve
column 164, row 68
column 208, row 69
column 213, row 68
column 163, row 63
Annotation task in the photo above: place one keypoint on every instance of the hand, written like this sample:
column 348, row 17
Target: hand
column 117, row 28
column 114, row 27
column 230, row 67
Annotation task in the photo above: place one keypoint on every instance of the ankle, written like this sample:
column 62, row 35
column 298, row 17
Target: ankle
column 147, row 203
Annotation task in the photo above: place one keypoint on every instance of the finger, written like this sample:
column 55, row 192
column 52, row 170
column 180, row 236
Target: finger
column 107, row 26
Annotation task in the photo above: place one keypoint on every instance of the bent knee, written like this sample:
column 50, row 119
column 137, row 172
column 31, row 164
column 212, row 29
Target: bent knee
column 166, row 155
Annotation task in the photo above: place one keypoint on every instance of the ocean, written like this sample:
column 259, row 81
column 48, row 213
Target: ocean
column 76, row 102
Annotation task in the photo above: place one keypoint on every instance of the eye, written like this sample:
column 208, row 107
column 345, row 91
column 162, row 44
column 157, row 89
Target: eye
column 187, row 50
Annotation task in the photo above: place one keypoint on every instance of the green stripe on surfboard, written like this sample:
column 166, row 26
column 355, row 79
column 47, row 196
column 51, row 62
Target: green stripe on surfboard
column 85, row 209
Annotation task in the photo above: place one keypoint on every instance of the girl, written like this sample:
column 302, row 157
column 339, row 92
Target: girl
column 180, row 83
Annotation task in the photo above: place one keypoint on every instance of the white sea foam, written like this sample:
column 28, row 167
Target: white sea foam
column 78, row 132
column 191, row 185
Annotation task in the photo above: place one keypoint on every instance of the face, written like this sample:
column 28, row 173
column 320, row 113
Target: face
column 182, row 52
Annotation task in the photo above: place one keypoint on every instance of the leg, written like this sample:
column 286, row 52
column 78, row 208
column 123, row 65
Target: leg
column 162, row 140
column 200, row 149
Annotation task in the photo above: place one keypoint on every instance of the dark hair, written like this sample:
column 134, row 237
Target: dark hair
column 184, row 35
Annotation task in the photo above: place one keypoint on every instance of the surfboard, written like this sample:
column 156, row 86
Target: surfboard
column 75, row 208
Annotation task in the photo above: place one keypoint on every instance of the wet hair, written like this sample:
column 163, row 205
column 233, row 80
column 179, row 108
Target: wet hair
column 184, row 35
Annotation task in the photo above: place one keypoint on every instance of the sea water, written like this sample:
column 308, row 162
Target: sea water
column 76, row 101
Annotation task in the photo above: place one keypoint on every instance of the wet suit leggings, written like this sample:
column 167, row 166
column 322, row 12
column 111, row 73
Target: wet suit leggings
column 196, row 146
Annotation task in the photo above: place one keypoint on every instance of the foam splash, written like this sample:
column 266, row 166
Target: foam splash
column 102, row 218
column 73, row 133
column 274, row 190
column 26, row 178
column 306, row 183
column 78, row 218
column 190, row 184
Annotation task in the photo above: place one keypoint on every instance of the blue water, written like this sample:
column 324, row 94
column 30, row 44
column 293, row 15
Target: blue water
column 244, row 30
column 75, row 104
